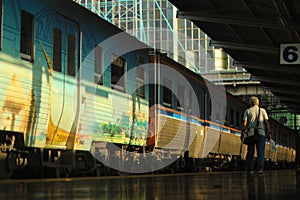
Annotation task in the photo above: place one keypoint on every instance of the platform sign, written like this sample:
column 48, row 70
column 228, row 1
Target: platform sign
column 290, row 54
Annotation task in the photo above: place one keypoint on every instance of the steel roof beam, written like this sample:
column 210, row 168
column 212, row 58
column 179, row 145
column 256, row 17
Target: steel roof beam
column 267, row 66
column 287, row 99
column 283, row 90
column 291, row 105
column 295, row 111
column 277, row 80
column 245, row 47
column 225, row 19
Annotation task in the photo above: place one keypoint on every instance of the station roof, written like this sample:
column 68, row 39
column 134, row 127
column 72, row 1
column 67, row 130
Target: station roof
column 251, row 32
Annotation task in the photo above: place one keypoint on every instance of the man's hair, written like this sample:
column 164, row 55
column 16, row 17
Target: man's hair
column 253, row 101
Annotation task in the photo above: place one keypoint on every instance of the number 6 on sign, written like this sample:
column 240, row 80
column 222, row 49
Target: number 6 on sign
column 289, row 54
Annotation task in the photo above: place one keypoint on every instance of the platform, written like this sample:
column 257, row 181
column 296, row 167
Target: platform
column 279, row 184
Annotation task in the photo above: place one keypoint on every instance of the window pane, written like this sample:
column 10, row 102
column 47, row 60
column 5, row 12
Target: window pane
column 218, row 110
column 27, row 35
column 180, row 97
column 117, row 73
column 237, row 119
column 231, row 117
column 167, row 93
column 57, row 41
column 71, row 55
column 98, row 65
column 140, row 81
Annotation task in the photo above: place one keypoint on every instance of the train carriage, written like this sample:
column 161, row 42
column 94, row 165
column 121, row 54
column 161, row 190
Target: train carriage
column 67, row 82
column 211, row 120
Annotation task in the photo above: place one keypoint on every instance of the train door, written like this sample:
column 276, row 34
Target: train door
column 64, row 86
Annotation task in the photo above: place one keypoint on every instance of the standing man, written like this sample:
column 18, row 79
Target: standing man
column 250, row 121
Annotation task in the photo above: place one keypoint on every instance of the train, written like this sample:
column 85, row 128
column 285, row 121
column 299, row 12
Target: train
column 80, row 96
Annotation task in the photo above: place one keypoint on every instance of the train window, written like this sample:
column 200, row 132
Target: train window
column 167, row 93
column 218, row 110
column 180, row 97
column 118, row 73
column 190, row 101
column 207, row 106
column 231, row 117
column 57, row 51
column 140, row 82
column 237, row 119
column 71, row 55
column 227, row 116
column 203, row 108
column 98, row 65
column 27, row 36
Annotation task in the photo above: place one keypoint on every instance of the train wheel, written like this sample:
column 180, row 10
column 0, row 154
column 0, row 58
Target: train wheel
column 8, row 163
column 98, row 171
column 220, row 161
column 11, row 161
column 68, row 171
column 58, row 172
column 63, row 172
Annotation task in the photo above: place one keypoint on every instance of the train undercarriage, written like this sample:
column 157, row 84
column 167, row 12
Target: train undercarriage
column 17, row 161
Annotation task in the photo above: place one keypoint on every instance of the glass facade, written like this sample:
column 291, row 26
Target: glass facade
column 155, row 23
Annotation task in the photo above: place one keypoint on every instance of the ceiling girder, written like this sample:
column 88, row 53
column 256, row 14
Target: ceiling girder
column 287, row 99
column 276, row 80
column 294, row 110
column 284, row 90
column 225, row 19
column 291, row 105
column 268, row 67
column 284, row 17
column 245, row 47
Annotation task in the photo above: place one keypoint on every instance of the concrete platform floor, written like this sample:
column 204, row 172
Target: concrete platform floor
column 276, row 184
